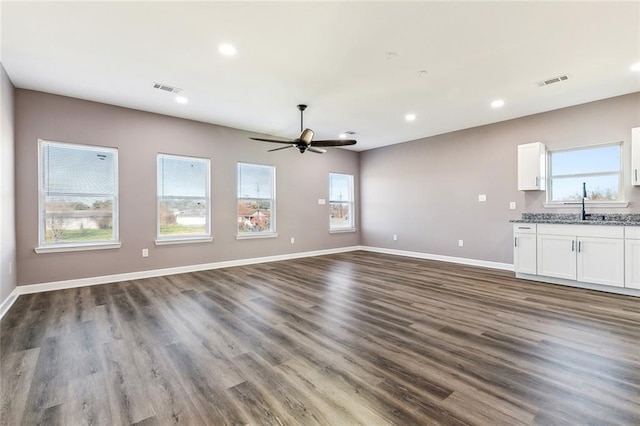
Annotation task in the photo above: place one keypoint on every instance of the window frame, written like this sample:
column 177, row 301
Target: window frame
column 46, row 247
column 619, row 202
column 184, row 238
column 351, row 203
column 272, row 232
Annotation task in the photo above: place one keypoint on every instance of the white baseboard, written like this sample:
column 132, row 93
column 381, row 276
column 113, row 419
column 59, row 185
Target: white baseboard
column 441, row 258
column 8, row 302
column 106, row 279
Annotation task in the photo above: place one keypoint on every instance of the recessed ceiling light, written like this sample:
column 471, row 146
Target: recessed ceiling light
column 498, row 103
column 227, row 49
column 342, row 135
column 635, row 67
column 410, row 117
column 181, row 100
column 422, row 73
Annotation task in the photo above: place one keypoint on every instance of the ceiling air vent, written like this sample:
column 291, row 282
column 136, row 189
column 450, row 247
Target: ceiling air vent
column 553, row 80
column 166, row 88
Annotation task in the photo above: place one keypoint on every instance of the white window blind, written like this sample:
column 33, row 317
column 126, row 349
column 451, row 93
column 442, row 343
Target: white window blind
column 341, row 202
column 78, row 201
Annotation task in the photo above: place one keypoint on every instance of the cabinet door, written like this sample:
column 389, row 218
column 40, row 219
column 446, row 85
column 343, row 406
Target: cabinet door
column 632, row 264
column 524, row 253
column 635, row 156
column 601, row 261
column 557, row 256
column 531, row 166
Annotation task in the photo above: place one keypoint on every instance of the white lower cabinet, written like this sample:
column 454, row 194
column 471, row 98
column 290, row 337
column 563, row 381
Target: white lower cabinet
column 585, row 253
column 632, row 257
column 557, row 256
column 601, row 261
column 524, row 249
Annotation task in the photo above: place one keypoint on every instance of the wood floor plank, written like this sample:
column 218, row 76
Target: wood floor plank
column 352, row 338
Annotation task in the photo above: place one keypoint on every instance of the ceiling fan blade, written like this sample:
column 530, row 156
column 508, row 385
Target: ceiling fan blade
column 316, row 150
column 284, row 147
column 306, row 136
column 335, row 142
column 270, row 140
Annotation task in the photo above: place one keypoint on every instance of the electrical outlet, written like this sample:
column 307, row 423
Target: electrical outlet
column 482, row 198
column 395, row 237
column 293, row 240
column 145, row 252
column 322, row 201
column 512, row 205
column 460, row 243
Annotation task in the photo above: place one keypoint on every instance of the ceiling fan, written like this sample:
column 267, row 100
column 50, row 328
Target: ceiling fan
column 305, row 141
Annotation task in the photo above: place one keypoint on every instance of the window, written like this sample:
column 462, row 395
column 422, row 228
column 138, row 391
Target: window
column 183, row 198
column 598, row 166
column 341, row 203
column 78, row 195
column 256, row 200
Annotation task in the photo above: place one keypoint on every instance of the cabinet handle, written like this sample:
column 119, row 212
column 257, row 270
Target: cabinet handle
column 579, row 246
column 537, row 180
column 573, row 246
column 515, row 241
column 636, row 177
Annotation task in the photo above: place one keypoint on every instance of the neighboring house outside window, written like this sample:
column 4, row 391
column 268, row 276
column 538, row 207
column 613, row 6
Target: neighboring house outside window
column 600, row 167
column 341, row 202
column 78, row 196
column 184, row 209
column 256, row 200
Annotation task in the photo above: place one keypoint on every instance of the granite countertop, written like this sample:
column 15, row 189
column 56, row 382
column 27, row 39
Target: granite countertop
column 606, row 219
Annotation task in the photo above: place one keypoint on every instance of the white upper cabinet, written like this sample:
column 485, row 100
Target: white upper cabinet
column 532, row 166
column 635, row 156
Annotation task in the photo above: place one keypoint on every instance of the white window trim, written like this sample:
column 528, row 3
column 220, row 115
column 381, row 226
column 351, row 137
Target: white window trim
column 620, row 203
column 181, row 240
column 73, row 246
column 77, row 247
column 250, row 236
column 184, row 238
column 352, row 227
column 342, row 230
column 271, row 233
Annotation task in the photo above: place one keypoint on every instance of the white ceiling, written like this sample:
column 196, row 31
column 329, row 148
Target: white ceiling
column 332, row 56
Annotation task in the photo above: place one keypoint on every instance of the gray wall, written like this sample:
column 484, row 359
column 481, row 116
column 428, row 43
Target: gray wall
column 7, row 189
column 426, row 191
column 139, row 136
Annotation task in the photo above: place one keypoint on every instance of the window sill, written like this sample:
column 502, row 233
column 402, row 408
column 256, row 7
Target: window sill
column 342, row 231
column 573, row 205
column 256, row 235
column 168, row 241
column 77, row 247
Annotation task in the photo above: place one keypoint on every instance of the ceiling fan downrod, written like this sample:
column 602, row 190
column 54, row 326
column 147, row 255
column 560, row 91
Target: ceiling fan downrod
column 301, row 108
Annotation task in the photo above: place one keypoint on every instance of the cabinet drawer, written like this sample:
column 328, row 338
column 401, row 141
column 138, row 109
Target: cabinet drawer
column 525, row 228
column 582, row 230
column 632, row 232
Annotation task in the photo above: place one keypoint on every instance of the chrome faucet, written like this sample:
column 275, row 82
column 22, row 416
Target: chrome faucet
column 585, row 215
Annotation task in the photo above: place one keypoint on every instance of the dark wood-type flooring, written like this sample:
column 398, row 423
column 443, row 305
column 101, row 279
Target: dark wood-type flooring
column 355, row 338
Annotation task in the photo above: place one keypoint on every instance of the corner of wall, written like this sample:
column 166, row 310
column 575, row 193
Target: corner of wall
column 8, row 274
